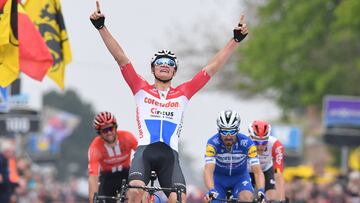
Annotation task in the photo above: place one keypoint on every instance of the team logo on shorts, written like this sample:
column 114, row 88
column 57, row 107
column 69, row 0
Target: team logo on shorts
column 272, row 181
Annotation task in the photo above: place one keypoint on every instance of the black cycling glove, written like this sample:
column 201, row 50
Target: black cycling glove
column 261, row 195
column 238, row 36
column 98, row 23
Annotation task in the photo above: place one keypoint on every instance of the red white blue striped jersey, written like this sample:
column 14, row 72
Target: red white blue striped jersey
column 159, row 114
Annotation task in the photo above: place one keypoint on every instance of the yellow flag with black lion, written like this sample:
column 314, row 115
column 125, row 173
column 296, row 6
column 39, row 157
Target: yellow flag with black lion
column 47, row 16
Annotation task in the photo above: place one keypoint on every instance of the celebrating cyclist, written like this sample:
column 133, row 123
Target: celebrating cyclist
column 109, row 156
column 271, row 156
column 160, row 108
column 227, row 154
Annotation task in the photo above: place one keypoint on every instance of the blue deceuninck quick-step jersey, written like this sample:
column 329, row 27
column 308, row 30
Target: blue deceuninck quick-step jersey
column 231, row 162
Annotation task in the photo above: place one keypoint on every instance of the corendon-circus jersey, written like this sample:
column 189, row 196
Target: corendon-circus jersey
column 159, row 114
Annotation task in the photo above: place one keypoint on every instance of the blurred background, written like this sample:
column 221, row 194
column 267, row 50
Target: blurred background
column 298, row 68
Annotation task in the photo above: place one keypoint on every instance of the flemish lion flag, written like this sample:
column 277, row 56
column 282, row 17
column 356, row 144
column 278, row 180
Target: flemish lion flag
column 47, row 16
column 35, row 56
column 9, row 51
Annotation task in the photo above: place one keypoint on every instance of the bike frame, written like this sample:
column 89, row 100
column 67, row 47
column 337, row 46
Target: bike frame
column 150, row 189
column 102, row 199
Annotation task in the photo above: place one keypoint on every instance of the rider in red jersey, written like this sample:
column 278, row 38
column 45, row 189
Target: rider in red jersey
column 109, row 156
column 271, row 155
column 160, row 108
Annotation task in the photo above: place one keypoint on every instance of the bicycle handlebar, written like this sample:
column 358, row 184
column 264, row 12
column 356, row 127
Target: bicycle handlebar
column 230, row 200
column 152, row 188
column 235, row 200
column 97, row 198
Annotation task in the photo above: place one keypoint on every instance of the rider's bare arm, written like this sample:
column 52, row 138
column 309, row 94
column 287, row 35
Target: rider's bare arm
column 209, row 175
column 278, row 151
column 112, row 45
column 259, row 176
column 220, row 58
column 280, row 185
column 93, row 187
column 224, row 54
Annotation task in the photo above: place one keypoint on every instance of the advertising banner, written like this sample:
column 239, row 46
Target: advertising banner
column 341, row 111
column 289, row 136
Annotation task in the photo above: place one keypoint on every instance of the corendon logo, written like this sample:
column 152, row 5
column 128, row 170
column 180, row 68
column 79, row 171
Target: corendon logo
column 163, row 113
column 141, row 134
column 159, row 104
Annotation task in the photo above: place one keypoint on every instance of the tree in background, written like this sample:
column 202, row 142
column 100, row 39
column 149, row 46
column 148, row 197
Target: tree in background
column 296, row 53
column 73, row 153
column 301, row 51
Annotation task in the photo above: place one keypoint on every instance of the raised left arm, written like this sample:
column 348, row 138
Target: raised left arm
column 224, row 54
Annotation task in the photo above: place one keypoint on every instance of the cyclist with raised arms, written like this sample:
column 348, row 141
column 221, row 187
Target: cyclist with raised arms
column 109, row 156
column 160, row 108
column 271, row 155
column 227, row 155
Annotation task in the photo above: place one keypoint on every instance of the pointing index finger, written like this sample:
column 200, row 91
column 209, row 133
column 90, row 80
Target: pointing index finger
column 242, row 19
column 98, row 6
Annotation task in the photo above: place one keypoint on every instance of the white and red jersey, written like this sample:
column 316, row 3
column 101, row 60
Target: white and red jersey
column 272, row 156
column 104, row 158
column 159, row 114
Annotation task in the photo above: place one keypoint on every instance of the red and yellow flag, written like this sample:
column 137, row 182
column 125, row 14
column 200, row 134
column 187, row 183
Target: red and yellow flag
column 9, row 51
column 35, row 57
column 22, row 47
column 46, row 14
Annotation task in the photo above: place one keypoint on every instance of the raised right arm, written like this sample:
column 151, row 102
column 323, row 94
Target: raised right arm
column 97, row 18
column 114, row 47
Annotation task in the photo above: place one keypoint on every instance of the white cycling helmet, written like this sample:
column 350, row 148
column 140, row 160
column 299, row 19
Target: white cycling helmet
column 228, row 119
column 164, row 54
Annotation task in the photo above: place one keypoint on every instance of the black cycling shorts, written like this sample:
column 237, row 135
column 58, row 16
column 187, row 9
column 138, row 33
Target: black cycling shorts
column 269, row 179
column 160, row 158
column 110, row 183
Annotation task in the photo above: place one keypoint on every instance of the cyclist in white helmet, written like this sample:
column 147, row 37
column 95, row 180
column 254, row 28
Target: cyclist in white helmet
column 228, row 153
column 271, row 155
column 160, row 108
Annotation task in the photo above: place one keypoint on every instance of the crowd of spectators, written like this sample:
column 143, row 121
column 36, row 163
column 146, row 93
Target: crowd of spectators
column 33, row 183
column 344, row 189
column 23, row 181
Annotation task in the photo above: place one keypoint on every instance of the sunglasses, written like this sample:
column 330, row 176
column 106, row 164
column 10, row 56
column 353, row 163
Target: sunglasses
column 260, row 142
column 228, row 132
column 165, row 61
column 107, row 129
